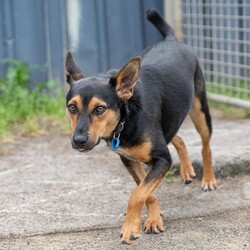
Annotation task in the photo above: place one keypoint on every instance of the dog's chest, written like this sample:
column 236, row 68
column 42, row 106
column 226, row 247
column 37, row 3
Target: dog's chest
column 140, row 152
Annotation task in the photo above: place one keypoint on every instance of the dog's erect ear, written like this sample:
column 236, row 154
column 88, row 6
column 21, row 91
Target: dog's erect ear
column 125, row 80
column 72, row 71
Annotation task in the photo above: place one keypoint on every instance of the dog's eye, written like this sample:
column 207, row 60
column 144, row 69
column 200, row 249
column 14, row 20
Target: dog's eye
column 100, row 109
column 72, row 108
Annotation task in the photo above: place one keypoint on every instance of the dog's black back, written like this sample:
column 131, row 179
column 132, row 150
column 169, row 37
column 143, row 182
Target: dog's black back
column 166, row 86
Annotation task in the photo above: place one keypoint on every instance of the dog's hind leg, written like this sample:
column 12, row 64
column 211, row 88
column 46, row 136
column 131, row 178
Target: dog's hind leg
column 153, row 223
column 201, row 118
column 186, row 168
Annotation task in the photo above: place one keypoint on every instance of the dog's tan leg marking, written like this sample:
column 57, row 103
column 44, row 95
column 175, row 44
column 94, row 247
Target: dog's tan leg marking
column 186, row 168
column 199, row 120
column 131, row 227
column 154, row 222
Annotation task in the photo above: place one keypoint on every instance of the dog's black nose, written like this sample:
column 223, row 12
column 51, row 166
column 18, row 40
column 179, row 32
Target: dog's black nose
column 79, row 140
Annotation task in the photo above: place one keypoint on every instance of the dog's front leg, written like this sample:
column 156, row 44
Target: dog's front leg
column 154, row 222
column 161, row 163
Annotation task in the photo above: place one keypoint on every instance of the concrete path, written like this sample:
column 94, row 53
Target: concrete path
column 47, row 189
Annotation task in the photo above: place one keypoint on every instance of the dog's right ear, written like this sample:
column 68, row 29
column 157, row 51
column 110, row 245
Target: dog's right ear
column 125, row 80
column 72, row 71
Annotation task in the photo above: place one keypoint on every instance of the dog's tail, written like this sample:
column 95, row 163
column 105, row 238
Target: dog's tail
column 155, row 18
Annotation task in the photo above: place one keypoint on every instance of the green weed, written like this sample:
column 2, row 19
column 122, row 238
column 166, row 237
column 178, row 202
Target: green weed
column 22, row 107
column 170, row 177
column 171, row 172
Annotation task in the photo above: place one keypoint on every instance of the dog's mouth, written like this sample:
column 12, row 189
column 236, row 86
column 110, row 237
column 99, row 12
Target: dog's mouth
column 82, row 150
column 87, row 147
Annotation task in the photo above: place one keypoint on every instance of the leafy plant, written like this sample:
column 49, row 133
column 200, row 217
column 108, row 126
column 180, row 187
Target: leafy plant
column 20, row 104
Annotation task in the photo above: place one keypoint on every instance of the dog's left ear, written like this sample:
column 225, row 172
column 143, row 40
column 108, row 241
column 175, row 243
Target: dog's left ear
column 125, row 80
column 72, row 71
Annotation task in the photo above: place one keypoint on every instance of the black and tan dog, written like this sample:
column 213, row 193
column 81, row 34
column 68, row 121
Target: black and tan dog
column 138, row 110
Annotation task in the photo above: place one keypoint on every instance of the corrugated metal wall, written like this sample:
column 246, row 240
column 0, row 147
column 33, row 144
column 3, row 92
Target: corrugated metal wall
column 34, row 31
column 110, row 32
column 102, row 34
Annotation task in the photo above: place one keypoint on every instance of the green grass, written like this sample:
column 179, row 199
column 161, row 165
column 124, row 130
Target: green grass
column 228, row 111
column 25, row 110
column 238, row 89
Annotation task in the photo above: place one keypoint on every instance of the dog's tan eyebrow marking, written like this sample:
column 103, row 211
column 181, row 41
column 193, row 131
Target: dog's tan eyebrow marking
column 77, row 101
column 94, row 102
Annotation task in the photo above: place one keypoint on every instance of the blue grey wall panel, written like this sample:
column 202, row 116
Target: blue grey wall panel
column 121, row 33
column 87, row 52
column 29, row 31
column 112, row 32
column 109, row 33
column 55, row 38
column 7, row 37
column 34, row 31
column 151, row 35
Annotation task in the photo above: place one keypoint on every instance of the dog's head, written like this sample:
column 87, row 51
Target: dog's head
column 93, row 103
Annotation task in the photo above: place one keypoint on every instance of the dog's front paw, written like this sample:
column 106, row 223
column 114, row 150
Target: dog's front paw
column 130, row 231
column 209, row 184
column 154, row 226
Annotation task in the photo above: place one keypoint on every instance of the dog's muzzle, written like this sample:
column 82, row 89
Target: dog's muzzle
column 82, row 143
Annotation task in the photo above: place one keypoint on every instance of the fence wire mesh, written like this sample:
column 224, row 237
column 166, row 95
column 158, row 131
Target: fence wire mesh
column 219, row 32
